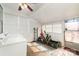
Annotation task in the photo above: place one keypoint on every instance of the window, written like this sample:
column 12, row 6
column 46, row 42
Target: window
column 72, row 25
column 57, row 28
column 72, row 30
column 47, row 28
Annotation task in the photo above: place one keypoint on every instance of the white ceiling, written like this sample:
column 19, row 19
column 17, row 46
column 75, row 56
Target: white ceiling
column 14, row 7
column 49, row 12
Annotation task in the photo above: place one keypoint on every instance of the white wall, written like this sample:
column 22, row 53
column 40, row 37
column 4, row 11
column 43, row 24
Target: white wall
column 32, row 24
column 20, row 29
column 26, row 27
column 19, row 24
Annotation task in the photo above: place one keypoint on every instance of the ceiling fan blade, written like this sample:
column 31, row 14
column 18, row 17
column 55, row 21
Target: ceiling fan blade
column 23, row 5
column 19, row 8
column 29, row 8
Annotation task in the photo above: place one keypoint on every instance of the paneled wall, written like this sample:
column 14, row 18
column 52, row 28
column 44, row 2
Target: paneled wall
column 18, row 25
column 20, row 31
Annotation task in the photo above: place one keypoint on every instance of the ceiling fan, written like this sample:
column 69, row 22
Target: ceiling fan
column 23, row 6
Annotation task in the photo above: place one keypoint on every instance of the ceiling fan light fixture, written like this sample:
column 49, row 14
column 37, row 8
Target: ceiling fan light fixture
column 23, row 6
